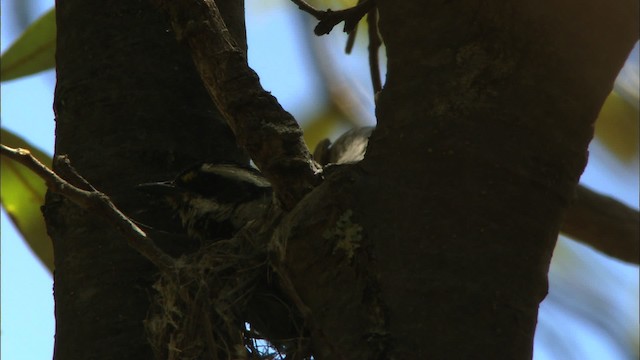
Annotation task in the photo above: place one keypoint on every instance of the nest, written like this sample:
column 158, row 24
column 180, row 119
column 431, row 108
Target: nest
column 223, row 302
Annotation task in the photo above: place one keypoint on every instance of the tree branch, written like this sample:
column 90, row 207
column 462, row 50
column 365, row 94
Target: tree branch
column 329, row 19
column 351, row 17
column 92, row 200
column 270, row 135
column 605, row 224
column 340, row 90
column 374, row 46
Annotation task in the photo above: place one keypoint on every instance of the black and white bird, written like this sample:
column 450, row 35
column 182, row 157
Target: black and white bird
column 215, row 201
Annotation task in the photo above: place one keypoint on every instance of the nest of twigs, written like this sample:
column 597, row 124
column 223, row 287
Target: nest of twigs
column 224, row 302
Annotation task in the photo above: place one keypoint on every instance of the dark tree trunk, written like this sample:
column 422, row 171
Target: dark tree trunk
column 483, row 130
column 437, row 245
column 483, row 127
column 130, row 108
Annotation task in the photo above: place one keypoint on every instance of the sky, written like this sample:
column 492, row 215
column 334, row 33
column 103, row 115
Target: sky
column 28, row 326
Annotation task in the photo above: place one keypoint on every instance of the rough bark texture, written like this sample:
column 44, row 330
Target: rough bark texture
column 484, row 136
column 271, row 136
column 436, row 246
column 483, row 127
column 130, row 108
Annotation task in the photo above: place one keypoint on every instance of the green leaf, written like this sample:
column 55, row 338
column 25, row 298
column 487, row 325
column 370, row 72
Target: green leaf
column 21, row 194
column 34, row 51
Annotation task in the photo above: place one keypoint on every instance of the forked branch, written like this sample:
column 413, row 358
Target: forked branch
column 92, row 200
column 270, row 135
column 329, row 18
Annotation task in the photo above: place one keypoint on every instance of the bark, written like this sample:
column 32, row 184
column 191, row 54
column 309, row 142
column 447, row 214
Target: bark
column 488, row 130
column 271, row 135
column 483, row 127
column 436, row 245
column 130, row 108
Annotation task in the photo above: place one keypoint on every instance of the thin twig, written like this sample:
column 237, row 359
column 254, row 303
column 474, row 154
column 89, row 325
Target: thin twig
column 352, row 17
column 306, row 7
column 342, row 91
column 94, row 201
column 374, row 45
column 351, row 40
column 66, row 171
column 329, row 19
column 352, row 36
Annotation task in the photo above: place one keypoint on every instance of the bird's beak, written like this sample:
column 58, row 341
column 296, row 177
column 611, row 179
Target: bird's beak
column 164, row 188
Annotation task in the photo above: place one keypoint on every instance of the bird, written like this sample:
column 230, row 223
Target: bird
column 349, row 148
column 215, row 201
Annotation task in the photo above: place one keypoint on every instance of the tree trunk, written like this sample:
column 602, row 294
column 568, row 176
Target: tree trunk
column 483, row 128
column 437, row 245
column 130, row 108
